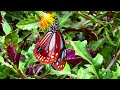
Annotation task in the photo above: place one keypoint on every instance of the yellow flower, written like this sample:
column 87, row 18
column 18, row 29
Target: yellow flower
column 46, row 20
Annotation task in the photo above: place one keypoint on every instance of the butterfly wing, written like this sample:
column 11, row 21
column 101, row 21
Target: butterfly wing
column 60, row 63
column 48, row 49
column 51, row 49
column 41, row 50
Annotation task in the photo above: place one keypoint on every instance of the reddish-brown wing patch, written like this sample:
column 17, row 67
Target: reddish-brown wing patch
column 59, row 65
column 48, row 49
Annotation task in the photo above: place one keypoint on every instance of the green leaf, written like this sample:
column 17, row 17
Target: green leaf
column 97, row 61
column 99, row 30
column 106, row 53
column 118, row 36
column 30, row 58
column 6, row 27
column 116, row 74
column 28, row 23
column 97, row 44
column 15, row 15
column 64, row 18
column 95, row 19
column 1, row 59
column 2, row 39
column 12, row 38
column 82, row 73
column 5, row 63
column 4, row 72
column 21, row 65
column 108, row 37
column 81, row 50
column 91, row 69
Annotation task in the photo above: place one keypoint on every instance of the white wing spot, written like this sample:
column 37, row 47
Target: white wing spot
column 52, row 56
column 56, row 54
column 42, row 60
column 57, row 63
column 41, row 56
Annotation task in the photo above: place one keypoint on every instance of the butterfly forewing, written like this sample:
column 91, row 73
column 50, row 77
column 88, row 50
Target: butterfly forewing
column 48, row 49
column 41, row 50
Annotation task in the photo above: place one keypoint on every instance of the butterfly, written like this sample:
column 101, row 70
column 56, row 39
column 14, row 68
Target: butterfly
column 51, row 48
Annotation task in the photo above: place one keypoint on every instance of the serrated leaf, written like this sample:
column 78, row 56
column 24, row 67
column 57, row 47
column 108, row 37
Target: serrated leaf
column 28, row 24
column 82, row 74
column 97, row 44
column 6, row 27
column 90, row 68
column 81, row 50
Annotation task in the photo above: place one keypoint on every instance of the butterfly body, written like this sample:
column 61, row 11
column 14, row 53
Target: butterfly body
column 51, row 48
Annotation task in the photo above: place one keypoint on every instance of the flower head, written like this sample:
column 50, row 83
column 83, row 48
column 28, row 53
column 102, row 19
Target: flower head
column 46, row 20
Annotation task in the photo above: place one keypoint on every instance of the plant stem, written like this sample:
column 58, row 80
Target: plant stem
column 39, row 70
column 85, row 16
column 113, row 60
column 22, row 74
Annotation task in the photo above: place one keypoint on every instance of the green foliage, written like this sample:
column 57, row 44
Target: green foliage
column 5, row 25
column 81, row 50
column 30, row 23
column 10, row 40
column 116, row 74
column 98, row 44
column 82, row 31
